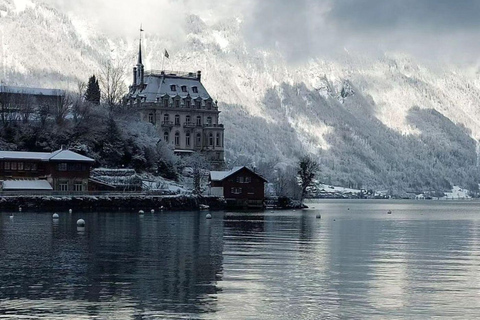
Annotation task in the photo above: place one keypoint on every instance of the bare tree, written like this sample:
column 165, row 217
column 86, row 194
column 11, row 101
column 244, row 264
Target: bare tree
column 112, row 81
column 307, row 169
column 62, row 109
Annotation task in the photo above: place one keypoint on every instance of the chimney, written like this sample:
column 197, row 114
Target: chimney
column 199, row 75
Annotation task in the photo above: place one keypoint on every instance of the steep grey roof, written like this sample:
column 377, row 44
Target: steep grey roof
column 222, row 175
column 32, row 91
column 59, row 155
column 158, row 86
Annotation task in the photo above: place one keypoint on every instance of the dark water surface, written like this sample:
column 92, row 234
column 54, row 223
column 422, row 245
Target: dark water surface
column 358, row 262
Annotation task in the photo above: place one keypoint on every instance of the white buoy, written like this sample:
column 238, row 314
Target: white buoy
column 19, row 208
column 55, row 216
column 11, row 215
column 208, row 216
column 141, row 212
column 81, row 223
column 152, row 211
column 69, row 210
column 161, row 208
column 319, row 216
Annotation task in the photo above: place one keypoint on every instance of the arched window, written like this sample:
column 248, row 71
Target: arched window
column 199, row 140
column 198, row 104
column 187, row 103
column 199, row 120
column 177, row 103
column 210, row 139
column 218, row 140
column 177, row 119
column 209, row 121
column 177, row 138
column 187, row 139
column 165, row 136
column 166, row 117
column 165, row 103
column 150, row 118
column 188, row 119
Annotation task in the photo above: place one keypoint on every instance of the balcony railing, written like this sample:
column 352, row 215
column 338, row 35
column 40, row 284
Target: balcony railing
column 167, row 124
column 189, row 125
column 211, row 125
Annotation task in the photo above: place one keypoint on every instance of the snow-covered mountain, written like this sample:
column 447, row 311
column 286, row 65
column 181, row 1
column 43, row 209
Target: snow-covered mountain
column 376, row 122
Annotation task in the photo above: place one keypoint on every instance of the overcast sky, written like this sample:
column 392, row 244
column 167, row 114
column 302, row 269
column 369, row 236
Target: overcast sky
column 438, row 29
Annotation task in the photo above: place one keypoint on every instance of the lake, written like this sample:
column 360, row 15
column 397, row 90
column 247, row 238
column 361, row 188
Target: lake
column 357, row 261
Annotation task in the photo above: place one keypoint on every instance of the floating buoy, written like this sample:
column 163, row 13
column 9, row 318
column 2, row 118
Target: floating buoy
column 141, row 212
column 81, row 223
column 69, row 210
column 20, row 209
column 389, row 212
column 80, row 229
column 161, row 208
column 11, row 215
column 319, row 216
column 55, row 216
column 208, row 216
column 152, row 211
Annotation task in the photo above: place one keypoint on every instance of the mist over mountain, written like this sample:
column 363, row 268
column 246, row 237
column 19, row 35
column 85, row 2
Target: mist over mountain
column 382, row 121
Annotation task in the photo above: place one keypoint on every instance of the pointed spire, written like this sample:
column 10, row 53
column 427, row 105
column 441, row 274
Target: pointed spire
column 140, row 47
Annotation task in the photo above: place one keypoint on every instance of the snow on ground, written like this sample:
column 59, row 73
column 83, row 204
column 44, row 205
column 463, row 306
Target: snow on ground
column 159, row 184
column 333, row 189
column 457, row 193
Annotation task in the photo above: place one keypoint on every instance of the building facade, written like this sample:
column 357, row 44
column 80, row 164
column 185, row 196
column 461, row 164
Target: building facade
column 181, row 109
column 241, row 187
column 23, row 103
column 63, row 169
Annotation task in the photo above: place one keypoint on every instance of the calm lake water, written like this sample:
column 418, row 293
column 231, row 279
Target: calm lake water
column 357, row 261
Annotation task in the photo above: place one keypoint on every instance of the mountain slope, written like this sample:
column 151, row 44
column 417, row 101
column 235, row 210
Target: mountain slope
column 387, row 122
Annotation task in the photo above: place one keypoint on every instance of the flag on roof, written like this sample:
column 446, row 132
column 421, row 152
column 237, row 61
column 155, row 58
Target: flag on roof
column 166, row 54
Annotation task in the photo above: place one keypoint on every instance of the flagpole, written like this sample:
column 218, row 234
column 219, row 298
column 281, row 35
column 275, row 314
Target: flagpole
column 163, row 62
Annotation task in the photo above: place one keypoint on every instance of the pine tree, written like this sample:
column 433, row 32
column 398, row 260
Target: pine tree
column 93, row 91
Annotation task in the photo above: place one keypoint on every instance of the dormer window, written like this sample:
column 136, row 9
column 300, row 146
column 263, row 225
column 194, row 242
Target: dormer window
column 198, row 104
column 195, row 89
column 184, row 88
column 173, row 87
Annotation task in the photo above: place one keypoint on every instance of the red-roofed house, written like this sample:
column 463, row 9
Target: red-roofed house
column 241, row 187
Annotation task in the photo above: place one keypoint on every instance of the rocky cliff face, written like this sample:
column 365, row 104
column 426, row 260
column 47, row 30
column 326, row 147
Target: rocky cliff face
column 387, row 122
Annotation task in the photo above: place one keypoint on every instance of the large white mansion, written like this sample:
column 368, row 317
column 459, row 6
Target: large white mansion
column 181, row 109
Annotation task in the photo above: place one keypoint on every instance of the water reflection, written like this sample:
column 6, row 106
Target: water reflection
column 422, row 261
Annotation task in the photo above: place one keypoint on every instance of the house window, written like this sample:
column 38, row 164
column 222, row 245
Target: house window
column 248, row 179
column 209, row 121
column 166, row 117
column 150, row 117
column 7, row 165
column 20, row 166
column 199, row 120
column 63, row 185
column 173, row 87
column 165, row 137
column 28, row 166
column 208, row 104
column 198, row 104
column 188, row 119
column 177, row 103
column 195, row 89
column 177, row 119
column 210, row 139
column 62, row 166
column 184, row 88
column 14, row 166
column 34, row 167
column 165, row 103
column 218, row 140
column 187, row 139
column 78, row 186
column 199, row 140
column 177, row 138
column 187, row 103
column 236, row 190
